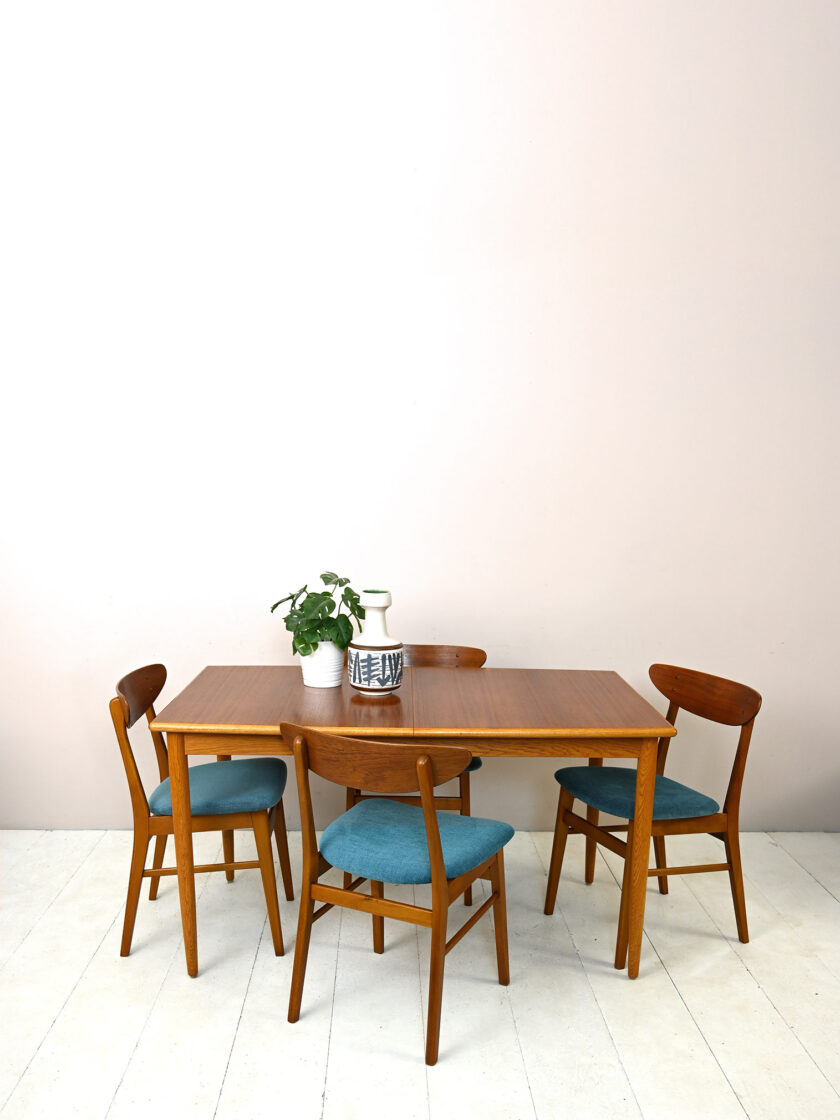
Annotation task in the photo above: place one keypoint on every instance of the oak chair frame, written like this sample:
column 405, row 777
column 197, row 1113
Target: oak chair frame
column 438, row 657
column 709, row 697
column 136, row 694
column 386, row 768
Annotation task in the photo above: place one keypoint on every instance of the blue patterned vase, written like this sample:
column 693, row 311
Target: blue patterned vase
column 375, row 660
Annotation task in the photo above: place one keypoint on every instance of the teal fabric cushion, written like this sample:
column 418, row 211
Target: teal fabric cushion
column 476, row 764
column 243, row 785
column 386, row 841
column 612, row 789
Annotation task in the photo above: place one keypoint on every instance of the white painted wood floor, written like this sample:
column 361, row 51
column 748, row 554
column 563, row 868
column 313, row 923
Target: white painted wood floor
column 711, row 1028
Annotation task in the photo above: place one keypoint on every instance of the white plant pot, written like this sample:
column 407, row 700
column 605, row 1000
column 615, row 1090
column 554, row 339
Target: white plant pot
column 323, row 668
column 375, row 659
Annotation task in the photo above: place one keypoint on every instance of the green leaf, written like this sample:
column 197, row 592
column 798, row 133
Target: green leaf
column 345, row 631
column 294, row 596
column 320, row 604
column 329, row 577
column 295, row 620
column 304, row 645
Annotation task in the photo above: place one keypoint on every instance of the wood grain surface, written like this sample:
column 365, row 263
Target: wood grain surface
column 256, row 699
column 504, row 703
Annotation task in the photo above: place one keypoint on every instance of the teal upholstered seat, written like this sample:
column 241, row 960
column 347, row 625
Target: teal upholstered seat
column 244, row 785
column 612, row 789
column 475, row 764
column 386, row 841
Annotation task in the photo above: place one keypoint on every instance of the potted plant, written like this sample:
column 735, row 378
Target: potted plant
column 320, row 631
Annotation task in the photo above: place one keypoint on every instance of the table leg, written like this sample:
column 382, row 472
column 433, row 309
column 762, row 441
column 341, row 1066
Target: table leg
column 639, row 854
column 179, row 780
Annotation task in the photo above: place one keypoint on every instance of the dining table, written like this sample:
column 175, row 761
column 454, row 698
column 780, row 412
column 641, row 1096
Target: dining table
column 513, row 713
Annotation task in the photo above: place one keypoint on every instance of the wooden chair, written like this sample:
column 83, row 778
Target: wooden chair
column 677, row 809
column 384, row 840
column 441, row 657
column 224, row 795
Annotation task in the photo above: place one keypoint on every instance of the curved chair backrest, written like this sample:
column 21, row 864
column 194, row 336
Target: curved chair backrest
column 709, row 697
column 139, row 690
column 444, row 657
column 716, row 699
column 136, row 694
column 378, row 767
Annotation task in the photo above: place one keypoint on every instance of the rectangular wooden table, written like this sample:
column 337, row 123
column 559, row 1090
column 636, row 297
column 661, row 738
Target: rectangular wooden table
column 230, row 710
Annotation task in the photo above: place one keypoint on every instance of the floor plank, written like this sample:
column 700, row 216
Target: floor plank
column 480, row 1069
column 46, row 966
column 817, row 852
column 677, row 1078
column 564, row 1038
column 801, row 900
column 89, row 1005
column 117, row 1037
column 36, row 869
column 14, row 843
column 781, row 959
column 764, row 1062
column 179, row 1064
column 377, row 1033
column 274, row 1065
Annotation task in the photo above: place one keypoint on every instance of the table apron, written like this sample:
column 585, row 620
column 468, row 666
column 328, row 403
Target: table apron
column 216, row 743
column 495, row 746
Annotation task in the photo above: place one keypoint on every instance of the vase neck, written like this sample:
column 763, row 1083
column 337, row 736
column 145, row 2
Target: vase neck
column 375, row 625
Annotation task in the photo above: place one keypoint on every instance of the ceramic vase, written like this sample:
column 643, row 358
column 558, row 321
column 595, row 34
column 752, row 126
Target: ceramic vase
column 375, row 659
column 324, row 668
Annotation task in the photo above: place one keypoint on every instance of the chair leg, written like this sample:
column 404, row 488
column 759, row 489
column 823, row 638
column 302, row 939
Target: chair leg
column 438, row 957
column 464, row 792
column 227, row 849
column 659, row 855
column 157, row 863
column 350, row 801
column 227, row 834
column 592, row 815
column 622, row 936
column 377, row 889
column 304, row 930
column 558, row 847
column 259, row 822
column 736, row 883
column 497, row 881
column 135, row 881
column 281, row 838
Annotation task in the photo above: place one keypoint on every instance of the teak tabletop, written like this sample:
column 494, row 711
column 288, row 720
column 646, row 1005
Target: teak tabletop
column 230, row 710
column 236, row 700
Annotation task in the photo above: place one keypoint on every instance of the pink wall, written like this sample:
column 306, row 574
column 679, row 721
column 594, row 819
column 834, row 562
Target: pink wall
column 571, row 268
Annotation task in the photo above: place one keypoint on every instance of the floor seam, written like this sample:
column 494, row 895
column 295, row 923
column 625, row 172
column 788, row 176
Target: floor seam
column 798, row 863
column 595, row 999
column 55, row 897
column 239, row 1017
column 743, row 961
column 332, row 1015
column 175, row 953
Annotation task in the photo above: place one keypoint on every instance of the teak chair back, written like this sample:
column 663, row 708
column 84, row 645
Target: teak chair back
column 387, row 768
column 136, row 696
column 440, row 657
column 715, row 699
column 712, row 698
column 444, row 657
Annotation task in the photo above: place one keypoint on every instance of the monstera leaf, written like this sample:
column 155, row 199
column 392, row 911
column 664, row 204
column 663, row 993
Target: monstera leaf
column 317, row 616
